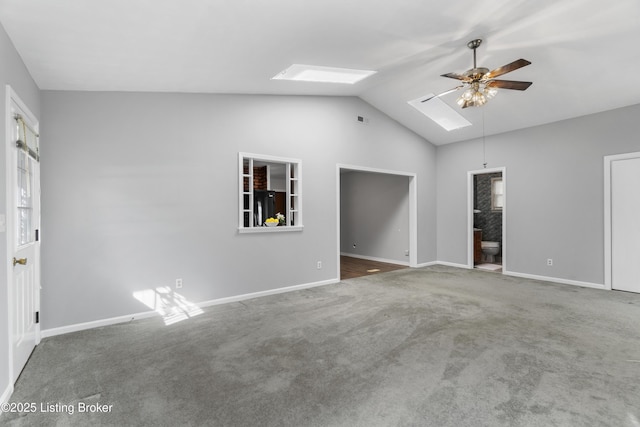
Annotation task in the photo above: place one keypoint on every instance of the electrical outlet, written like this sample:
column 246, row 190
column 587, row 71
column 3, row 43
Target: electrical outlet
column 319, row 265
column 178, row 283
column 406, row 253
column 549, row 261
column 354, row 246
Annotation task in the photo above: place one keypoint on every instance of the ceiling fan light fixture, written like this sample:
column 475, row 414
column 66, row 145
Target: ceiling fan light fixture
column 479, row 99
column 476, row 95
column 490, row 92
column 480, row 84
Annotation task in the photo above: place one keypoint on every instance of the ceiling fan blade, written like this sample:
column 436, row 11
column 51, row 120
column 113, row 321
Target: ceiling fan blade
column 443, row 93
column 509, row 84
column 456, row 76
column 507, row 68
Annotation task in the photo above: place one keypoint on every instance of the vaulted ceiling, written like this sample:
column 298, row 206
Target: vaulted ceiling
column 584, row 53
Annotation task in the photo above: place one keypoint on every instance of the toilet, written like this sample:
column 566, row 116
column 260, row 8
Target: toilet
column 490, row 250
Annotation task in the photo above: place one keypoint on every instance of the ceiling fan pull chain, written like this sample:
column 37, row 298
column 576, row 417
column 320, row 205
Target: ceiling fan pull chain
column 484, row 146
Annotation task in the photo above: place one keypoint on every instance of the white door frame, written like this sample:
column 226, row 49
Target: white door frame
column 608, row 161
column 470, row 191
column 413, row 209
column 12, row 99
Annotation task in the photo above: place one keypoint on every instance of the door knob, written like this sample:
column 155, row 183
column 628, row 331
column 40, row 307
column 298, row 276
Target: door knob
column 21, row 261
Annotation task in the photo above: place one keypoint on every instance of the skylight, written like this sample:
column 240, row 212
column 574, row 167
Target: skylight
column 317, row 73
column 440, row 112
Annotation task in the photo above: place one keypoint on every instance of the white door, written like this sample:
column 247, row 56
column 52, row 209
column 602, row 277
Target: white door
column 625, row 224
column 23, row 235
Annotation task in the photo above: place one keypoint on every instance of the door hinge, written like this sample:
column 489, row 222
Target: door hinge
column 37, row 317
column 37, row 235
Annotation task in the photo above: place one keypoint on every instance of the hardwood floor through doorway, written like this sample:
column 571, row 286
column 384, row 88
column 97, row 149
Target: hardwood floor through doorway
column 356, row 267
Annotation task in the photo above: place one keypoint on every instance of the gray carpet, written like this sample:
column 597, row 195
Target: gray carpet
column 436, row 346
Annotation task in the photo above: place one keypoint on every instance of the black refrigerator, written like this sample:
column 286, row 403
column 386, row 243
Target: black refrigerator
column 263, row 206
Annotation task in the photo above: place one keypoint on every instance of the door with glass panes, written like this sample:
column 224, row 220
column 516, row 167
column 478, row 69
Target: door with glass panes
column 24, row 240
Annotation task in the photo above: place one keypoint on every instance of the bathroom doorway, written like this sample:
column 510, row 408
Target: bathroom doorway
column 486, row 230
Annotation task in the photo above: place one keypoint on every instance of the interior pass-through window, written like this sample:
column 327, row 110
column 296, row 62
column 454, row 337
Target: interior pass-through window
column 270, row 193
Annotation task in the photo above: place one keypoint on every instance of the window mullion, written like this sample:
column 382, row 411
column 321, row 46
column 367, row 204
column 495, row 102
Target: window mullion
column 288, row 200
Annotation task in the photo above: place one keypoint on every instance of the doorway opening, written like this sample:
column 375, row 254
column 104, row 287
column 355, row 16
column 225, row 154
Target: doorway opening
column 621, row 230
column 352, row 267
column 376, row 220
column 486, row 229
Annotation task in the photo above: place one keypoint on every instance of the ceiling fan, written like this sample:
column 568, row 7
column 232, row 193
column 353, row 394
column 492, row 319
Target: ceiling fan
column 480, row 84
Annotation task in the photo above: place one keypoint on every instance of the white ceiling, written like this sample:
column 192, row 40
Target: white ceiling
column 584, row 53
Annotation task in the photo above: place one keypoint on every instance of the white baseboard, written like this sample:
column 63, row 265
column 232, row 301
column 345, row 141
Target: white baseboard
column 534, row 277
column 452, row 264
column 96, row 324
column 555, row 280
column 426, row 264
column 265, row 293
column 127, row 318
column 371, row 258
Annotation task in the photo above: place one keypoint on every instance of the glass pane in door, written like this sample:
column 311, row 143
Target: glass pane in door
column 24, row 196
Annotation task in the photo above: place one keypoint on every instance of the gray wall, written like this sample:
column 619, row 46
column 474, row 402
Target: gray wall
column 555, row 192
column 374, row 215
column 14, row 73
column 141, row 189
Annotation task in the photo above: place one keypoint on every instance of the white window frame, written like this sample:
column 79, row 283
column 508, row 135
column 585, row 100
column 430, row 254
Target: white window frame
column 293, row 193
column 494, row 203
